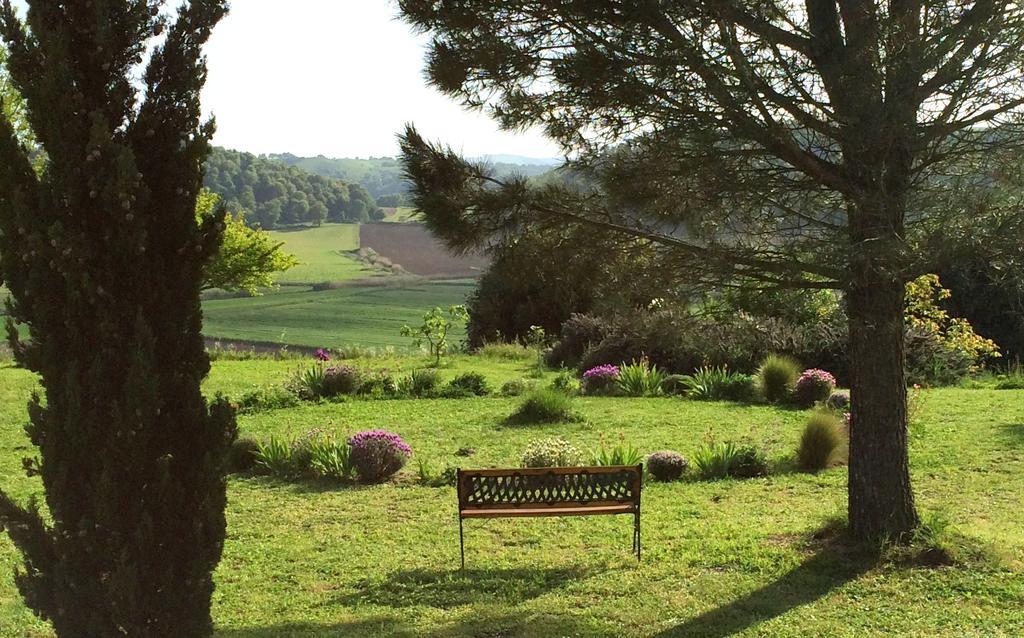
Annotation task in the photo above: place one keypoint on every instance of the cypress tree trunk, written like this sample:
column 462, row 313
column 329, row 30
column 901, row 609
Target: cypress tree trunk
column 104, row 257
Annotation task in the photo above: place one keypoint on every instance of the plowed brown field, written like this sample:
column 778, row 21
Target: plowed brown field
column 417, row 251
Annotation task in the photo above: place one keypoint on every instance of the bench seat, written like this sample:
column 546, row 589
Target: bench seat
column 548, row 511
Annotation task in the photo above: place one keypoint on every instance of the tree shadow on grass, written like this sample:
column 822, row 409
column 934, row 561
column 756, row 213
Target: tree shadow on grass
column 483, row 625
column 449, row 588
column 1014, row 432
column 834, row 563
column 363, row 627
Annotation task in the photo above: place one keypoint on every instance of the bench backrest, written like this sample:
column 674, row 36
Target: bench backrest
column 550, row 486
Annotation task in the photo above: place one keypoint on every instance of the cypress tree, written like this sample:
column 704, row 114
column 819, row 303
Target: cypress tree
column 104, row 256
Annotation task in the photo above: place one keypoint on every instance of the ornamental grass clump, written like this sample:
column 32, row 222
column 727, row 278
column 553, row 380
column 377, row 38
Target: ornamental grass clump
column 777, row 377
column 601, row 380
column 718, row 384
column 641, row 379
column 666, row 465
column 377, row 455
column 622, row 453
column 552, row 452
column 719, row 460
column 820, row 445
column 813, row 386
column 544, row 405
column 423, row 382
column 838, row 401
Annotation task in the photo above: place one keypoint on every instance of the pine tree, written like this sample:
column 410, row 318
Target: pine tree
column 104, row 257
column 852, row 145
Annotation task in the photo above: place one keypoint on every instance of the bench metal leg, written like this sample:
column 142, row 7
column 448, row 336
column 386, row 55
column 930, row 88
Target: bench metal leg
column 636, row 535
column 462, row 544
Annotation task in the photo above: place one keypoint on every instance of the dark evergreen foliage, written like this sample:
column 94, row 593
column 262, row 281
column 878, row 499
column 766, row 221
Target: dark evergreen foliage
column 990, row 294
column 104, row 258
column 272, row 193
column 542, row 279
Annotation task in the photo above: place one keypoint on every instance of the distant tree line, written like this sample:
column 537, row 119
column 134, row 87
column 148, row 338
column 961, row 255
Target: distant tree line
column 273, row 194
column 383, row 178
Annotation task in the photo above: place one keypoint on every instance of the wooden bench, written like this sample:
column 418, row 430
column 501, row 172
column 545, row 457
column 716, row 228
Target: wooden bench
column 550, row 491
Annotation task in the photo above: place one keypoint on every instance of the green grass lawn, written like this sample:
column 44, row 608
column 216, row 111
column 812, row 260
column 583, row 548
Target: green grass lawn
column 321, row 254
column 729, row 558
column 370, row 316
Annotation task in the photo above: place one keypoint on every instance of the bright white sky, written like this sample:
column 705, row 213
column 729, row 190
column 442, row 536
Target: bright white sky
column 338, row 78
column 334, row 77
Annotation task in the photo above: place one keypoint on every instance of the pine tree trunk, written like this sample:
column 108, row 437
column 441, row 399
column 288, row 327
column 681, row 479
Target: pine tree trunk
column 881, row 503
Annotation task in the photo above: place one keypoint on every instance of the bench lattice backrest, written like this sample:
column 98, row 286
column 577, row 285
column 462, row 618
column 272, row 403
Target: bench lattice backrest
column 483, row 489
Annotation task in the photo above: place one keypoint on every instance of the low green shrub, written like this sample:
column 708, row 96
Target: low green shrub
column 820, row 443
column 566, row 382
column 579, row 333
column 427, row 476
column 267, row 398
column 674, row 385
column 641, row 379
column 1011, row 383
column 751, row 462
column 1012, row 378
column 468, row 384
column 421, row 383
column 378, row 385
column 620, row 454
column 666, row 465
column 515, row 387
column 302, row 450
column 729, row 460
column 243, row 454
column 339, row 380
column 551, row 452
column 544, row 405
column 777, row 377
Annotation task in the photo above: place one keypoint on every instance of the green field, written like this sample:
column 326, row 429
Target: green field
column 321, row 254
column 403, row 215
column 364, row 315
column 726, row 558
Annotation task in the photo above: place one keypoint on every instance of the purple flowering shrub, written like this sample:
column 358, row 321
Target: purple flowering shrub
column 601, row 379
column 813, row 386
column 322, row 355
column 376, row 455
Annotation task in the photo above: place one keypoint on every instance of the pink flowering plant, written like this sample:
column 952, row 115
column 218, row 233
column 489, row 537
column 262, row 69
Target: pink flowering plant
column 813, row 386
column 601, row 379
column 322, row 355
column 376, row 455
